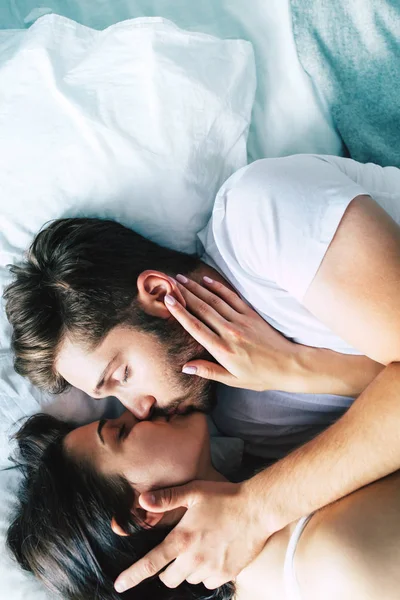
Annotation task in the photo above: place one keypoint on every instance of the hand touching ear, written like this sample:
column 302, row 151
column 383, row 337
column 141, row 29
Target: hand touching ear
column 223, row 529
column 251, row 354
column 146, row 517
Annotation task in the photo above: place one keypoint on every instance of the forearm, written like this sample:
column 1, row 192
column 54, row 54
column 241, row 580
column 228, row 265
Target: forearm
column 363, row 446
column 327, row 372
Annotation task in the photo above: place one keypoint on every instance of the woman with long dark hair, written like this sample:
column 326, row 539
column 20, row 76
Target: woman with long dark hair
column 78, row 522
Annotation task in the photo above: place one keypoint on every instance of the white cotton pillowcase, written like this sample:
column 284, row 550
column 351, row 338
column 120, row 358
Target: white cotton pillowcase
column 141, row 123
column 289, row 116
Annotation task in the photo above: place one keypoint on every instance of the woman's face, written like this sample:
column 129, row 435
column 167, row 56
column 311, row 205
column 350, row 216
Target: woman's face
column 150, row 454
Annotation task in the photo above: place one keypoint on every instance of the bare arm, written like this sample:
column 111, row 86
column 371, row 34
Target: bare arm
column 325, row 371
column 253, row 355
column 363, row 446
column 356, row 292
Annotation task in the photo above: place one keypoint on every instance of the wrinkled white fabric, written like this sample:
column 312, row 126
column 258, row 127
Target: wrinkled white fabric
column 141, row 123
column 272, row 224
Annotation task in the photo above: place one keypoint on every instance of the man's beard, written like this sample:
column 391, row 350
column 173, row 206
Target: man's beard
column 198, row 394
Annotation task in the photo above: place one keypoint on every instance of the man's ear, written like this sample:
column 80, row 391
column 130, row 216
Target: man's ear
column 153, row 286
column 146, row 517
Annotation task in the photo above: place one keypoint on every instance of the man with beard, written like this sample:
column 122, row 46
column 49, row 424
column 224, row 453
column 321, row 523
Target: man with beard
column 304, row 242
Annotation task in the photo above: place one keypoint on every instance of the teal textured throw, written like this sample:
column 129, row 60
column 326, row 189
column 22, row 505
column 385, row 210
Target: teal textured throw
column 351, row 50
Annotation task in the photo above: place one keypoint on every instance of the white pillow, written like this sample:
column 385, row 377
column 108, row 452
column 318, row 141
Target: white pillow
column 141, row 122
column 289, row 115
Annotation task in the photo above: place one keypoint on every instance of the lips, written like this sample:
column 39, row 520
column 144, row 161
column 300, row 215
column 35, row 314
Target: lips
column 176, row 412
column 161, row 419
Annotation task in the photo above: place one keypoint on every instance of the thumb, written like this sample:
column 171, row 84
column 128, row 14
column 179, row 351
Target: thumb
column 209, row 370
column 167, row 498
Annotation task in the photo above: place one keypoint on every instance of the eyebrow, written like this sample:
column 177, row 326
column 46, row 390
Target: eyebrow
column 102, row 422
column 102, row 377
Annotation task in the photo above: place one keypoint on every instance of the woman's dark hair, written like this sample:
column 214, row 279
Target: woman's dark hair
column 62, row 532
column 80, row 276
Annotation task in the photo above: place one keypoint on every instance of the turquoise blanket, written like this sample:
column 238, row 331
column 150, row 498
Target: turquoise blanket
column 351, row 50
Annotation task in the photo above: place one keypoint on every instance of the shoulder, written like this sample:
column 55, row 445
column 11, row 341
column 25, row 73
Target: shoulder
column 291, row 182
column 351, row 549
column 242, row 223
column 269, row 171
column 276, row 213
column 265, row 186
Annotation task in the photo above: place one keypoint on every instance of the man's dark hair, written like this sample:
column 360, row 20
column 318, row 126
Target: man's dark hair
column 80, row 276
column 62, row 532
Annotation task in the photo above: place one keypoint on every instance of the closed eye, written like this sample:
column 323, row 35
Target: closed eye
column 126, row 375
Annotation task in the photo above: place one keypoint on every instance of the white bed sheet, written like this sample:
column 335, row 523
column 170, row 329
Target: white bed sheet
column 141, row 122
column 77, row 138
column 288, row 117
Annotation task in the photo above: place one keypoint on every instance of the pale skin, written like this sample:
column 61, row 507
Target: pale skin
column 357, row 299
column 348, row 550
column 350, row 544
column 134, row 367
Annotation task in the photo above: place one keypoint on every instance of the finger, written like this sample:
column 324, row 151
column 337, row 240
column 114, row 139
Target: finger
column 177, row 572
column 217, row 289
column 212, row 583
column 216, row 301
column 168, row 498
column 208, row 309
column 146, row 567
column 229, row 296
column 212, row 371
column 195, row 327
column 195, row 578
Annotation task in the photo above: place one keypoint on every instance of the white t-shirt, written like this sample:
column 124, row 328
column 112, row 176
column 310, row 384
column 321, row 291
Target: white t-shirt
column 271, row 225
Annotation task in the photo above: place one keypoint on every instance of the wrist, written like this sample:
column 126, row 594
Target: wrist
column 305, row 358
column 297, row 369
column 323, row 371
column 313, row 371
column 267, row 509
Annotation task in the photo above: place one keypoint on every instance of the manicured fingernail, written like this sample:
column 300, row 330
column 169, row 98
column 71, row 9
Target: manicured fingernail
column 120, row 587
column 182, row 278
column 189, row 370
column 208, row 280
column 170, row 300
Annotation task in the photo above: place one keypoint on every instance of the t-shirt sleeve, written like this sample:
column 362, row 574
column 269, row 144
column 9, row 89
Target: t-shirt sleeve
column 277, row 219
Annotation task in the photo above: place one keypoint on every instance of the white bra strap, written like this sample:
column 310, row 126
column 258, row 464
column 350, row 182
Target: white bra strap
column 292, row 589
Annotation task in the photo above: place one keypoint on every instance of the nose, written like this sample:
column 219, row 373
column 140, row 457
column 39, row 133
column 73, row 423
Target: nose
column 141, row 406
